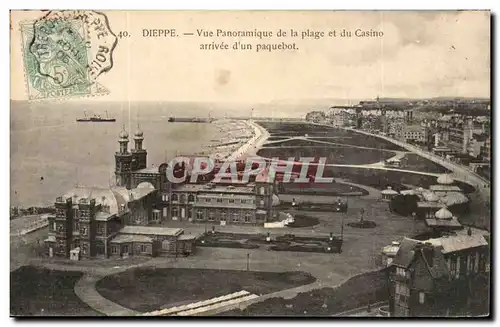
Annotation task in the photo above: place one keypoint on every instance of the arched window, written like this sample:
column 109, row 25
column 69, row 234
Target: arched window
column 175, row 197
column 190, row 198
column 183, row 198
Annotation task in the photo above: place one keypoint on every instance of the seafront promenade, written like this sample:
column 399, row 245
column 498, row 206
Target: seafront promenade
column 250, row 148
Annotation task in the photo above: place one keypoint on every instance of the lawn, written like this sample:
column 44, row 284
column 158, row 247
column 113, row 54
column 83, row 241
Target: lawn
column 43, row 292
column 151, row 289
column 330, row 189
column 333, row 154
column 319, row 132
column 358, row 291
column 413, row 161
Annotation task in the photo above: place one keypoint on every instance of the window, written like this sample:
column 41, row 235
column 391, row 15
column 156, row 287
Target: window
column 183, row 198
column 207, row 200
column 262, row 191
column 83, row 231
column 54, row 227
column 247, row 217
column 100, row 229
column 156, row 215
column 472, row 263
column 243, row 201
column 199, row 215
column 402, row 289
column 223, row 216
column 191, row 198
column 235, row 217
column 164, row 197
column 114, row 249
column 125, row 249
column 421, row 297
column 211, row 216
column 144, row 248
column 219, row 200
column 175, row 197
column 76, row 227
column 175, row 212
column 453, row 267
column 261, row 202
column 85, row 249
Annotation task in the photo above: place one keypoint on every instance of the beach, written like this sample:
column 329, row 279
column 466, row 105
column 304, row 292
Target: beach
column 52, row 153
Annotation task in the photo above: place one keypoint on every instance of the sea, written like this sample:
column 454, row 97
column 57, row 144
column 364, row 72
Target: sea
column 51, row 153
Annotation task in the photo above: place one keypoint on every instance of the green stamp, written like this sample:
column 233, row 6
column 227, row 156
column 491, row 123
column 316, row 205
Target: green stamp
column 64, row 53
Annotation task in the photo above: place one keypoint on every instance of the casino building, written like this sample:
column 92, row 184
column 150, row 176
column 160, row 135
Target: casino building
column 128, row 218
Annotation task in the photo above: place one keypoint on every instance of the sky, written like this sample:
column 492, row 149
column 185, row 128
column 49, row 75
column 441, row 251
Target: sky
column 421, row 55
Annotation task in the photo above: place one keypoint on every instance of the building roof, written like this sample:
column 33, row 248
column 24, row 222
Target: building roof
column 430, row 196
column 103, row 216
column 147, row 170
column 103, row 196
column 445, row 188
column 392, row 249
column 389, row 191
column 405, row 254
column 148, row 230
column 426, row 204
column 454, row 243
column 132, row 194
column 443, row 213
column 451, row 198
column 408, row 192
column 130, row 238
column 445, row 179
column 185, row 237
column 451, row 223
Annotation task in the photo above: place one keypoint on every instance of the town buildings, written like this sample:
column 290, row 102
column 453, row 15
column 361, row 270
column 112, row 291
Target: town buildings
column 416, row 133
column 441, row 276
column 129, row 218
column 94, row 222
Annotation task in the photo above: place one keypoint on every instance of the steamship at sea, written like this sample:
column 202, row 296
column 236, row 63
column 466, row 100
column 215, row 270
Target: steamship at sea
column 95, row 119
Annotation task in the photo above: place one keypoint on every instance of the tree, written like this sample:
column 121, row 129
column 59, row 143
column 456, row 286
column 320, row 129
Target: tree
column 404, row 205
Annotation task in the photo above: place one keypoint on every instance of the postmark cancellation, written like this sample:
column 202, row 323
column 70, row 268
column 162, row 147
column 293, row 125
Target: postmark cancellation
column 65, row 52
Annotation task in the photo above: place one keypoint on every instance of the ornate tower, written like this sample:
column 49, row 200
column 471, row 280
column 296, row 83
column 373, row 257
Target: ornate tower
column 139, row 155
column 123, row 161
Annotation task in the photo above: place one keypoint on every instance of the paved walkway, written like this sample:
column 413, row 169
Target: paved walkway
column 85, row 289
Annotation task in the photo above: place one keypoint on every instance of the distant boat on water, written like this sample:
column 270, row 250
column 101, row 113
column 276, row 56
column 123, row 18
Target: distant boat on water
column 189, row 120
column 95, row 119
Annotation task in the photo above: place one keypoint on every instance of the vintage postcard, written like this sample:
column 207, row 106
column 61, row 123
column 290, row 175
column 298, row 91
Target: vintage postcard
column 250, row 163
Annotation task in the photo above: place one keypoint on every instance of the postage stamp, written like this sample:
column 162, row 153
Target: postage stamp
column 65, row 52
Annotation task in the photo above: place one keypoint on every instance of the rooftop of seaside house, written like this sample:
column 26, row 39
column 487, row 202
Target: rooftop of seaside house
column 112, row 201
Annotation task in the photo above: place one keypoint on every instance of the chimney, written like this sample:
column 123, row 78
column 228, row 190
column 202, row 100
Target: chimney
column 469, row 232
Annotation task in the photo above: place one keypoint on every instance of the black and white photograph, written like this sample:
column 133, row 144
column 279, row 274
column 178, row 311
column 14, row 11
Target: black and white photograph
column 250, row 163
